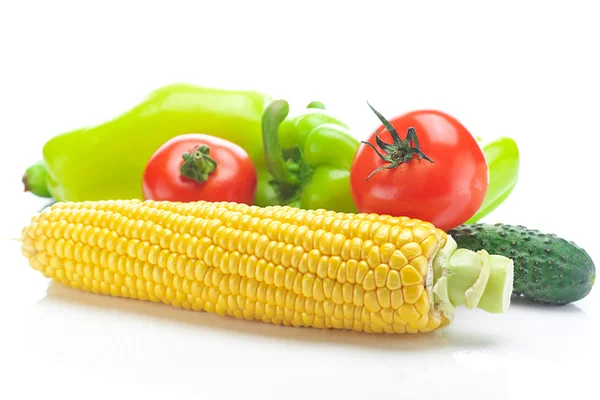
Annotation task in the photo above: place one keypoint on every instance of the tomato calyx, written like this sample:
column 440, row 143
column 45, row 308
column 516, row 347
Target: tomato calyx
column 401, row 151
column 198, row 164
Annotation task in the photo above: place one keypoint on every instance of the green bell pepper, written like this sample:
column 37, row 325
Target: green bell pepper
column 502, row 156
column 308, row 158
column 107, row 161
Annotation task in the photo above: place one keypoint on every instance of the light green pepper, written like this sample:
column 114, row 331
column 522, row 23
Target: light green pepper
column 502, row 156
column 106, row 161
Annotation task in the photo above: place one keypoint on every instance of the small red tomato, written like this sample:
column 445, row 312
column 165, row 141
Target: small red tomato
column 435, row 172
column 195, row 167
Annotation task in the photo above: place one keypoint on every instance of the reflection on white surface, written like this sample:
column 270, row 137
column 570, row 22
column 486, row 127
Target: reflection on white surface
column 59, row 296
column 134, row 344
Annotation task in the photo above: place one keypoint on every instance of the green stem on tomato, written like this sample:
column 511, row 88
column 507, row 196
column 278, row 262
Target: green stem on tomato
column 399, row 152
column 198, row 165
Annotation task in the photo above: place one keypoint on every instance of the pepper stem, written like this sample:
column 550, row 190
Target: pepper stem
column 287, row 166
column 198, row 164
column 316, row 104
column 273, row 116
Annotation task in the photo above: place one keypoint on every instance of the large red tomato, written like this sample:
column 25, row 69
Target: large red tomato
column 196, row 167
column 429, row 167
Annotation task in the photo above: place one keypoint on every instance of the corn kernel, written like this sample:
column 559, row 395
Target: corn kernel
column 307, row 285
column 423, row 305
column 410, row 276
column 384, row 297
column 420, row 323
column 371, row 302
column 290, row 277
column 381, row 273
column 412, row 293
column 387, row 315
column 337, row 294
column 279, row 276
column 404, row 237
column 408, row 313
column 362, row 269
column 420, row 232
column 421, row 265
column 333, row 265
column 297, row 287
column 397, row 260
column 341, row 275
column 374, row 258
column 358, row 295
column 322, row 267
column 369, row 282
column 382, row 235
column 366, row 250
column 328, row 287
column 393, row 280
column 356, row 246
column 270, row 274
column 397, row 300
column 351, row 266
column 429, row 246
column 411, row 250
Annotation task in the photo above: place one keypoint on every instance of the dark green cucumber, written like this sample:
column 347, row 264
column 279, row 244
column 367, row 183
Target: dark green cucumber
column 548, row 269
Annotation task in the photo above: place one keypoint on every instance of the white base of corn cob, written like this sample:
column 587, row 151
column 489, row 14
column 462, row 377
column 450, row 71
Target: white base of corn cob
column 281, row 265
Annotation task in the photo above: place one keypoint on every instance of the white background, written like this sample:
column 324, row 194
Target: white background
column 525, row 69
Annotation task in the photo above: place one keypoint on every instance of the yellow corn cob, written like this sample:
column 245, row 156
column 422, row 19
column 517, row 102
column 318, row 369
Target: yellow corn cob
column 280, row 265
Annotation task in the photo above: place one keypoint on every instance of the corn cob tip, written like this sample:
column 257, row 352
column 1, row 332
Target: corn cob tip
column 472, row 279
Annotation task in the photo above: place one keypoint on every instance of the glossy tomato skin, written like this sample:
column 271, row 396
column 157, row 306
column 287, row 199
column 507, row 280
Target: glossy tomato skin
column 446, row 192
column 233, row 180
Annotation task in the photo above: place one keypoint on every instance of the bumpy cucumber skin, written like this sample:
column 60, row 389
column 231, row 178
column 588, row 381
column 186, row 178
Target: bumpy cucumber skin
column 548, row 269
